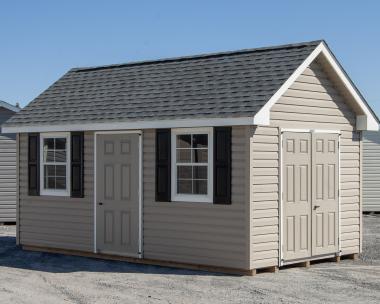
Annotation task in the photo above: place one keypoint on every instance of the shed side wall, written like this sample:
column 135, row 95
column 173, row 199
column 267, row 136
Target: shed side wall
column 7, row 172
column 312, row 102
column 53, row 221
column 371, row 171
column 199, row 233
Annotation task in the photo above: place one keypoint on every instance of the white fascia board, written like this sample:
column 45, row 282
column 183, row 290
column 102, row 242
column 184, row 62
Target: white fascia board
column 135, row 125
column 366, row 122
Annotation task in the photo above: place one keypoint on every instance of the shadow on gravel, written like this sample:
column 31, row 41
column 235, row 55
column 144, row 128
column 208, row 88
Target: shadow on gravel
column 13, row 256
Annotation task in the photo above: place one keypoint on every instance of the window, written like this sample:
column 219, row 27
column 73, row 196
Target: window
column 55, row 160
column 192, row 165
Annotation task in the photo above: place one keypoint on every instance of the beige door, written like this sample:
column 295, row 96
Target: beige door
column 310, row 194
column 296, row 195
column 325, row 193
column 117, row 194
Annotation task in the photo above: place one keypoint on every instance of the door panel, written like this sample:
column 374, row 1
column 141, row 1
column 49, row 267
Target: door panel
column 326, row 198
column 297, row 195
column 117, row 181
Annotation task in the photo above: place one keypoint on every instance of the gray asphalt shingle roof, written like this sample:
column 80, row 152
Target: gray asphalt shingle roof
column 231, row 84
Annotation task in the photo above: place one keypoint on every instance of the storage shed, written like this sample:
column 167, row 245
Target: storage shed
column 7, row 167
column 237, row 161
column 371, row 171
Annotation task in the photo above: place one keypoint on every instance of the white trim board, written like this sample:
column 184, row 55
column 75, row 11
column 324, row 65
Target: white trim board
column 133, row 125
column 366, row 121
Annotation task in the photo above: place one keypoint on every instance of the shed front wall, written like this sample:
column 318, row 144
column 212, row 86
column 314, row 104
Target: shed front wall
column 57, row 221
column 196, row 233
column 199, row 233
column 371, row 171
column 312, row 102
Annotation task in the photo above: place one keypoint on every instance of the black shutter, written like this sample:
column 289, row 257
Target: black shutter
column 222, row 165
column 77, row 170
column 163, row 165
column 34, row 164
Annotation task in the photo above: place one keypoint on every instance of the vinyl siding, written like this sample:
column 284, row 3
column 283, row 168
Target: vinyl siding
column 53, row 221
column 312, row 102
column 264, row 169
column 199, row 233
column 7, row 172
column 371, row 171
column 7, row 178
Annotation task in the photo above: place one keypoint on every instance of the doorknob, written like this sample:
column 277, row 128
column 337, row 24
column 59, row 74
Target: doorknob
column 316, row 207
column 100, row 203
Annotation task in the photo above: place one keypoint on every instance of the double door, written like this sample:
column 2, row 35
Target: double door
column 310, row 202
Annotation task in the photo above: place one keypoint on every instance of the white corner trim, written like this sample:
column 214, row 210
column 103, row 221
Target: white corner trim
column 364, row 122
column 134, row 125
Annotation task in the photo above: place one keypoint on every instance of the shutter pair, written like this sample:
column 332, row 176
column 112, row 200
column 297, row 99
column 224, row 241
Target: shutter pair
column 77, row 164
column 222, row 165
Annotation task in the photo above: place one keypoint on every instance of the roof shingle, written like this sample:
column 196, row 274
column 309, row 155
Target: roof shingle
column 232, row 84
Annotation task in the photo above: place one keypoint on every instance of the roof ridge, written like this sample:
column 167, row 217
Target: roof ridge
column 206, row 55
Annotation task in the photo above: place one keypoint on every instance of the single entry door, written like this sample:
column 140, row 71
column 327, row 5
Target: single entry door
column 310, row 176
column 117, row 194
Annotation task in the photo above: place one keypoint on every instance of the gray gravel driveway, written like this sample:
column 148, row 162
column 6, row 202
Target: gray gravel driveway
column 32, row 277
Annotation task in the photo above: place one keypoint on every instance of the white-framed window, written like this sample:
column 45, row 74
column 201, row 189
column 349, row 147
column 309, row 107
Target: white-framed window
column 192, row 165
column 55, row 164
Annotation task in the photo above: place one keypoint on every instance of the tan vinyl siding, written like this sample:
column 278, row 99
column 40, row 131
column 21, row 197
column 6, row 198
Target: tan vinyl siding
column 312, row 102
column 371, row 171
column 264, row 151
column 199, row 233
column 53, row 221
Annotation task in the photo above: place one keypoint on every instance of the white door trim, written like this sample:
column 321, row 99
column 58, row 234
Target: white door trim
column 281, row 262
column 139, row 132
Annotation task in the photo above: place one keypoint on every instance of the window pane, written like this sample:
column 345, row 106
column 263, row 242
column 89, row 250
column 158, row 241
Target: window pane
column 184, row 141
column 200, row 156
column 49, row 170
column 200, row 186
column 49, row 183
column 60, row 156
column 48, row 143
column 184, row 186
column 184, row 156
column 48, row 156
column 60, row 143
column 184, row 172
column 200, row 172
column 61, row 183
column 60, row 171
column 200, row 141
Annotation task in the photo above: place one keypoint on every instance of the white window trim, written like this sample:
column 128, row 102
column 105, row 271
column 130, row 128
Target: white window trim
column 196, row 198
column 68, row 160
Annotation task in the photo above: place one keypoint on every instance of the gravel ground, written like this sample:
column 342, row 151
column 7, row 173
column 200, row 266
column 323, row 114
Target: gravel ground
column 31, row 277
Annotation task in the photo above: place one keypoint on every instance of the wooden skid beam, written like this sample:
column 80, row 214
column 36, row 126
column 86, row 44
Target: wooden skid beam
column 232, row 271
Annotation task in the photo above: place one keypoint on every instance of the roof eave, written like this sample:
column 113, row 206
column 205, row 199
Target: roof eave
column 132, row 125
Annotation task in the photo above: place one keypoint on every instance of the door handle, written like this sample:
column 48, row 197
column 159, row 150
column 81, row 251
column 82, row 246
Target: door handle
column 100, row 203
column 316, row 207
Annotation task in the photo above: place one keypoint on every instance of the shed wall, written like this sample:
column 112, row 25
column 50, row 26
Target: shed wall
column 371, row 171
column 199, row 233
column 312, row 102
column 54, row 221
column 7, row 172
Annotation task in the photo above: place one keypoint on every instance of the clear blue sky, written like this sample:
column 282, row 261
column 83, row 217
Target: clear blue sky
column 41, row 40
